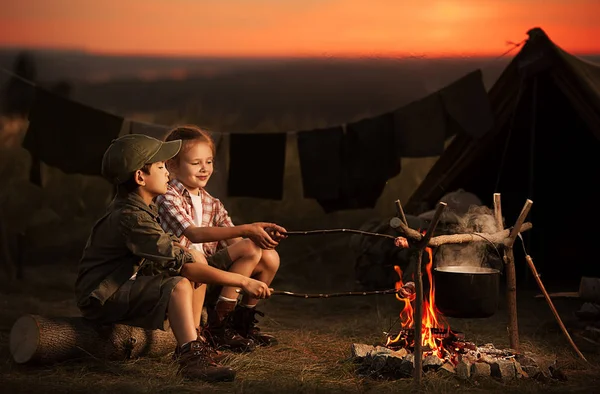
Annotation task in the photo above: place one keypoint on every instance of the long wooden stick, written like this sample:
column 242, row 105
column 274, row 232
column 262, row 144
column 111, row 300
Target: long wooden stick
column 400, row 212
column 418, row 373
column 399, row 292
column 511, row 278
column 500, row 237
column 498, row 212
column 552, row 308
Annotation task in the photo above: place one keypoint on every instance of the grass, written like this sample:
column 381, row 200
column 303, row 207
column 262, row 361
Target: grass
column 313, row 355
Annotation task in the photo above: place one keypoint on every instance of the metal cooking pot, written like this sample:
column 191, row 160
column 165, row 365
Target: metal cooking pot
column 466, row 292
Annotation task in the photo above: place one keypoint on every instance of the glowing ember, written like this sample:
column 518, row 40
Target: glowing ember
column 432, row 324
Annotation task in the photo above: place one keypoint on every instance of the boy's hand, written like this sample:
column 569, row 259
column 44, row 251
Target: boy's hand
column 256, row 288
column 265, row 235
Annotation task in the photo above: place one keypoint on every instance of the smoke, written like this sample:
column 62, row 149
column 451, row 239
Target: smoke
column 478, row 219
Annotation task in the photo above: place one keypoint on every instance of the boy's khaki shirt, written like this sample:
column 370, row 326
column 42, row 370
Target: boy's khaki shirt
column 126, row 237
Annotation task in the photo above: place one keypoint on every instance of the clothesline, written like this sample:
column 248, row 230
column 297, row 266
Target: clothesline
column 345, row 166
column 293, row 132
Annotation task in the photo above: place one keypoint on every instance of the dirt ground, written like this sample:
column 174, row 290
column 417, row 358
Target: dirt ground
column 315, row 337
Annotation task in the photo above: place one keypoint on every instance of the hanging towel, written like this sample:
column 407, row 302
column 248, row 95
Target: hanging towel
column 320, row 153
column 420, row 128
column 68, row 135
column 256, row 165
column 371, row 158
column 467, row 102
column 217, row 185
column 152, row 130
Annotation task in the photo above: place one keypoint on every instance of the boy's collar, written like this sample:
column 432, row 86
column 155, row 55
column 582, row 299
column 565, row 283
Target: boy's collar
column 137, row 201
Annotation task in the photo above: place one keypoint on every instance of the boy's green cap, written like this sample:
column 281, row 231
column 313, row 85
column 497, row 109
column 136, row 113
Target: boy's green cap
column 129, row 153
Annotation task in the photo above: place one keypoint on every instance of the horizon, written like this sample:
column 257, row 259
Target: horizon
column 296, row 29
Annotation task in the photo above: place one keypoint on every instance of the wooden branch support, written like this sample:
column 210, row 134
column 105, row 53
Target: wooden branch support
column 44, row 340
column 418, row 373
column 552, row 308
column 498, row 212
column 501, row 237
column 511, row 278
column 400, row 212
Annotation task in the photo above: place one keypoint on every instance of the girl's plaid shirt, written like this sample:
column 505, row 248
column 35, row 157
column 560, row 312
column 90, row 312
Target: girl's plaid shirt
column 176, row 214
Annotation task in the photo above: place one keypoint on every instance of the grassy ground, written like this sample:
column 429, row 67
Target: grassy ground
column 314, row 351
column 315, row 334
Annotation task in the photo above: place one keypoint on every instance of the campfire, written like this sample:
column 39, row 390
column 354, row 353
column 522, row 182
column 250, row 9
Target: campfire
column 442, row 348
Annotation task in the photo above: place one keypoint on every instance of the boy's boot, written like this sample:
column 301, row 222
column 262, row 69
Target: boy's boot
column 244, row 323
column 196, row 362
column 216, row 355
column 221, row 334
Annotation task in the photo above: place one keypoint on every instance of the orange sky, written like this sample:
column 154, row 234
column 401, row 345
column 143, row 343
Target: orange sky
column 297, row 27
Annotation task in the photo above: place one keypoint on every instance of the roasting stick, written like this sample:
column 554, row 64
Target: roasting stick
column 337, row 230
column 549, row 301
column 405, row 292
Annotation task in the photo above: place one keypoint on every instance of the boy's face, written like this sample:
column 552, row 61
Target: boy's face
column 194, row 166
column 155, row 183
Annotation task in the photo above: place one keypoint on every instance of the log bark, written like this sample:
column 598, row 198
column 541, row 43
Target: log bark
column 44, row 340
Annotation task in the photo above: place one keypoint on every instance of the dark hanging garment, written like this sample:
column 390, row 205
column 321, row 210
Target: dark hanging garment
column 420, row 128
column 256, row 165
column 68, row 135
column 371, row 158
column 320, row 153
column 466, row 102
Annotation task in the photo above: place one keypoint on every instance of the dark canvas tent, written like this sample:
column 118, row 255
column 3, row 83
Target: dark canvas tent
column 545, row 145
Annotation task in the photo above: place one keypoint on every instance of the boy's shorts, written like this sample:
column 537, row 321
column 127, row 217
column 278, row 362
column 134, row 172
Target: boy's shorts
column 143, row 301
column 140, row 302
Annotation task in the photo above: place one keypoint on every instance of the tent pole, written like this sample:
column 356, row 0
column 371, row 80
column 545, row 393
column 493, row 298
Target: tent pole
column 532, row 153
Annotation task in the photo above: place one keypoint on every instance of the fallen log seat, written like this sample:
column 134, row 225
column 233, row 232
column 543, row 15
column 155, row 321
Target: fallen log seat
column 45, row 340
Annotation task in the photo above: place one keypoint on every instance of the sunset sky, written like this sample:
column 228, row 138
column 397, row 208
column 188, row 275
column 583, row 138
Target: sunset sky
column 297, row 27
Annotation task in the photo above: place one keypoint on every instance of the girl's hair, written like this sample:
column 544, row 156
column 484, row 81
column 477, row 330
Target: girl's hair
column 188, row 134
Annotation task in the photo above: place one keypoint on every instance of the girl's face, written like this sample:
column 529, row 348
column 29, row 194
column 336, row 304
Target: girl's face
column 195, row 166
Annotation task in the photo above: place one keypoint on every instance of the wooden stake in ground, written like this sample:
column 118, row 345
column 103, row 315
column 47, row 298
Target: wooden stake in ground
column 511, row 278
column 44, row 340
column 418, row 373
column 551, row 305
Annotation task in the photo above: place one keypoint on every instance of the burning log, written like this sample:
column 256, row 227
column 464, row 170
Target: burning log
column 464, row 359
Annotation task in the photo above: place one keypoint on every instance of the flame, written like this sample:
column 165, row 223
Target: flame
column 432, row 319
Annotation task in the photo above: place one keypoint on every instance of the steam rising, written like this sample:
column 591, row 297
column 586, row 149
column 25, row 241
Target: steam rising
column 478, row 219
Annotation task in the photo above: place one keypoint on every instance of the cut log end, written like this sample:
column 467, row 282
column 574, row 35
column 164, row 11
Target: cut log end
column 38, row 339
column 24, row 339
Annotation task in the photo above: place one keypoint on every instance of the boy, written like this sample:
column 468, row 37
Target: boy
column 202, row 223
column 132, row 272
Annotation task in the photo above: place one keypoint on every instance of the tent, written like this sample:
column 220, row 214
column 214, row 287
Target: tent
column 545, row 145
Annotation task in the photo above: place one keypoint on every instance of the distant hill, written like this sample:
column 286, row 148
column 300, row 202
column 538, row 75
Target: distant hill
column 251, row 92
